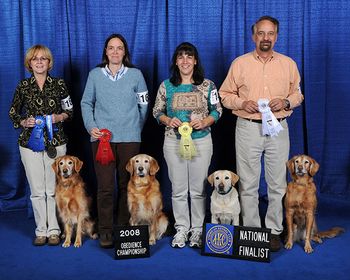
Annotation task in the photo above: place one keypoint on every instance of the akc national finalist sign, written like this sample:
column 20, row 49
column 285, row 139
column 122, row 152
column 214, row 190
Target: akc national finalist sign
column 236, row 242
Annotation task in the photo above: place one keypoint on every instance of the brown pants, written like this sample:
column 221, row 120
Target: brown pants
column 106, row 175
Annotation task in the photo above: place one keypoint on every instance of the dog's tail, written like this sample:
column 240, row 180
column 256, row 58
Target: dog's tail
column 333, row 232
column 162, row 225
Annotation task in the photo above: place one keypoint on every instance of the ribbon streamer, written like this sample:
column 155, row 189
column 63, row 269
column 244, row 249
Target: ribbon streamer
column 49, row 127
column 270, row 125
column 187, row 148
column 104, row 153
column 36, row 140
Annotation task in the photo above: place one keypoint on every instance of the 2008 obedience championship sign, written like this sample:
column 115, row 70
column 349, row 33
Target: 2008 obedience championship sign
column 236, row 242
column 131, row 242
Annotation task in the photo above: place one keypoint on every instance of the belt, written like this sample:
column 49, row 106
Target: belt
column 260, row 121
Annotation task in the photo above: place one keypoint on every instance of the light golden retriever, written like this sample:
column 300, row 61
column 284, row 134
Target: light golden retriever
column 301, row 203
column 144, row 196
column 224, row 207
column 72, row 202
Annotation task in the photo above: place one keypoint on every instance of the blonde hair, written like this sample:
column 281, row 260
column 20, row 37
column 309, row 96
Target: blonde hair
column 32, row 52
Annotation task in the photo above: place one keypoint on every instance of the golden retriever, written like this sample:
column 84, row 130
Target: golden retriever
column 72, row 202
column 224, row 206
column 144, row 196
column 301, row 203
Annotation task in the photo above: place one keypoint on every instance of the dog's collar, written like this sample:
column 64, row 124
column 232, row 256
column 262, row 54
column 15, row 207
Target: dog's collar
column 231, row 187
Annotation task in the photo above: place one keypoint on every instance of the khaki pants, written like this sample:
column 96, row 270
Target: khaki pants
column 42, row 183
column 188, row 178
column 251, row 146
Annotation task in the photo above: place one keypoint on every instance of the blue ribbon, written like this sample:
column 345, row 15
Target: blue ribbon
column 49, row 127
column 36, row 140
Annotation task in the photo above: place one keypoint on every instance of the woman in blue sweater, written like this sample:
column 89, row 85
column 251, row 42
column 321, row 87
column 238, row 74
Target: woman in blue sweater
column 115, row 98
column 187, row 102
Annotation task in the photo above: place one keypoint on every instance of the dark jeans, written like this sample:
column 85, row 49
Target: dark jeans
column 106, row 175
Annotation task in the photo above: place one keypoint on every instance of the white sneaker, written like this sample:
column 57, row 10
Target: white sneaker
column 196, row 239
column 179, row 240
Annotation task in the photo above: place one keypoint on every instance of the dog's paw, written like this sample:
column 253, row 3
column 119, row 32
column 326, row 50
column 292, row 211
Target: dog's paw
column 308, row 249
column 316, row 239
column 77, row 244
column 66, row 244
column 152, row 241
column 94, row 236
column 288, row 245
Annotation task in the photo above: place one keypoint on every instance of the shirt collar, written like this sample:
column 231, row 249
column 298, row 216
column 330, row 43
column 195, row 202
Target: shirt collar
column 33, row 80
column 256, row 56
column 117, row 76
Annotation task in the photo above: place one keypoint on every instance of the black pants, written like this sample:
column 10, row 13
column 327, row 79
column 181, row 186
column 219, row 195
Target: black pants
column 106, row 180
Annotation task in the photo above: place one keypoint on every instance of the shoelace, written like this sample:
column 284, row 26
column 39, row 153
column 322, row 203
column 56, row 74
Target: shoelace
column 196, row 235
column 180, row 235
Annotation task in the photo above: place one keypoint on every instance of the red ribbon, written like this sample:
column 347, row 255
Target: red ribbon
column 104, row 151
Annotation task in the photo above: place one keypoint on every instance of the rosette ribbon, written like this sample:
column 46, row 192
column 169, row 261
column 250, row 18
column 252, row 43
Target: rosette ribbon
column 187, row 148
column 36, row 140
column 104, row 153
column 270, row 125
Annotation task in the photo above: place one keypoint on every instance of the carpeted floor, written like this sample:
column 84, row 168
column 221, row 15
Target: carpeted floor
column 20, row 260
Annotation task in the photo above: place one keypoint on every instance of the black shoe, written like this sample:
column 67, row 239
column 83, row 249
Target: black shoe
column 275, row 242
column 106, row 240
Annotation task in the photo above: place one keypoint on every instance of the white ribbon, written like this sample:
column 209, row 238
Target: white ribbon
column 270, row 125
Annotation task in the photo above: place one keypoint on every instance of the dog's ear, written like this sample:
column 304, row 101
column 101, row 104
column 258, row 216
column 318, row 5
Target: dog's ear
column 234, row 178
column 54, row 165
column 154, row 167
column 290, row 165
column 78, row 164
column 211, row 179
column 314, row 166
column 130, row 166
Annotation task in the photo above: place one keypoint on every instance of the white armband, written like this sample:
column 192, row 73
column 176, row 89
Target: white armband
column 66, row 103
column 214, row 98
column 142, row 98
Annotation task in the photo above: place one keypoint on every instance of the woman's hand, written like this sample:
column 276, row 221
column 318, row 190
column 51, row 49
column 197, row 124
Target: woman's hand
column 59, row 117
column 29, row 122
column 201, row 124
column 174, row 122
column 95, row 132
column 171, row 122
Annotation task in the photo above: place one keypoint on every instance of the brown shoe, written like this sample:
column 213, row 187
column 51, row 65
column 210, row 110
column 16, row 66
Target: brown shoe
column 275, row 242
column 54, row 240
column 106, row 240
column 39, row 241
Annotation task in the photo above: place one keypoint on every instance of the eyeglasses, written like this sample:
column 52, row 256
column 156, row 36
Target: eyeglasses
column 41, row 59
column 111, row 49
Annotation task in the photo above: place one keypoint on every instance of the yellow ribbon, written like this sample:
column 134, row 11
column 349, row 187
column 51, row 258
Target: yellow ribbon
column 187, row 148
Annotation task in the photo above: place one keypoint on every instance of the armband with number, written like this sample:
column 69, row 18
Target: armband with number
column 66, row 103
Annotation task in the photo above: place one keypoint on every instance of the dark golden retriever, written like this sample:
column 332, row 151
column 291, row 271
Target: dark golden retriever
column 72, row 202
column 144, row 196
column 301, row 203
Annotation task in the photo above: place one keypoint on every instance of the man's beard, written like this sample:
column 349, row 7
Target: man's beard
column 265, row 46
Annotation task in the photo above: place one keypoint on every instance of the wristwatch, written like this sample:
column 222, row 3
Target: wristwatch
column 286, row 104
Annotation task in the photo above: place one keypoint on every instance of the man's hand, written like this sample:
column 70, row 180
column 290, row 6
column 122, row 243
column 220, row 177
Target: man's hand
column 277, row 104
column 250, row 106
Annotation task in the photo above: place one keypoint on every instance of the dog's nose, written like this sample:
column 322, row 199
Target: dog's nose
column 65, row 170
column 140, row 168
column 300, row 168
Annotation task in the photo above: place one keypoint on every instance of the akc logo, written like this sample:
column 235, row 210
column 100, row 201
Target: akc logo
column 219, row 240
